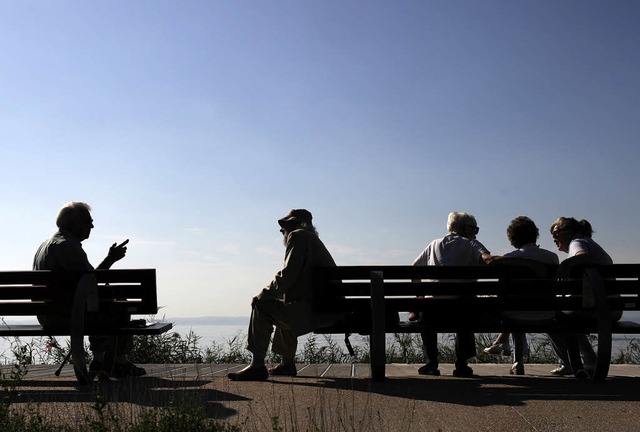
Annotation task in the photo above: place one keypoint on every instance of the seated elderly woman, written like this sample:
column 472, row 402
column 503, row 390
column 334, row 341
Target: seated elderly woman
column 574, row 238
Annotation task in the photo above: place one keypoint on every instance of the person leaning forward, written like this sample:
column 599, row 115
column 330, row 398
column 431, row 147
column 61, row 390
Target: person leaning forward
column 63, row 252
column 575, row 238
column 285, row 302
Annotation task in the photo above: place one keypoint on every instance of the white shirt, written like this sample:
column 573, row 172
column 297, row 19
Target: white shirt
column 587, row 245
column 534, row 252
column 452, row 250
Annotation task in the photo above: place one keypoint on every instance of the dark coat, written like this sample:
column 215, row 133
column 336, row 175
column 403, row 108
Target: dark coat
column 294, row 283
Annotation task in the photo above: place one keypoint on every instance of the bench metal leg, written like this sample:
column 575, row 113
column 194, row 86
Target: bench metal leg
column 110, row 353
column 64, row 362
column 378, row 325
column 595, row 294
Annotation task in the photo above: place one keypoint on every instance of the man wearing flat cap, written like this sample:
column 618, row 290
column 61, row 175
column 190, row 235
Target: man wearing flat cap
column 284, row 303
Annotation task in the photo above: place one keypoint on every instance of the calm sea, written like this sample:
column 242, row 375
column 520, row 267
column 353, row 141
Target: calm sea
column 224, row 330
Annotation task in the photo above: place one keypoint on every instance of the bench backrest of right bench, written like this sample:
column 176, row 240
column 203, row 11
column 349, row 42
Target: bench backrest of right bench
column 496, row 288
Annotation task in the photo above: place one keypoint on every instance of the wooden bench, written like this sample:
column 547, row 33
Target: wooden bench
column 474, row 298
column 31, row 293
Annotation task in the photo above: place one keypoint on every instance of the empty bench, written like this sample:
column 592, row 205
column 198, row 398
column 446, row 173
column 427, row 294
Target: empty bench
column 475, row 298
column 31, row 293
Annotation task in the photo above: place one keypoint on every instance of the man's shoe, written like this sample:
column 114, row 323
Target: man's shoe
column 463, row 372
column 562, row 370
column 500, row 348
column 517, row 369
column 253, row 374
column 429, row 369
column 284, row 370
column 127, row 369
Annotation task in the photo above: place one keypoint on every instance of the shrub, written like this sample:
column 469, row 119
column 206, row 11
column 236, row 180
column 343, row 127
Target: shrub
column 166, row 348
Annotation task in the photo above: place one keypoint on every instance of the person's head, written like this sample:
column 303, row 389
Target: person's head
column 75, row 217
column 296, row 219
column 463, row 224
column 564, row 229
column 521, row 231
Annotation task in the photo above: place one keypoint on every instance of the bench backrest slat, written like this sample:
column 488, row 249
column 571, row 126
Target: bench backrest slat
column 511, row 286
column 27, row 293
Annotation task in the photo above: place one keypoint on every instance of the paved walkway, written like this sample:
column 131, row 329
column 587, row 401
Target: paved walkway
column 341, row 397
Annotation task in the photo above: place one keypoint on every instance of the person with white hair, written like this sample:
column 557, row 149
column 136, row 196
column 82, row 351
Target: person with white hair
column 64, row 252
column 458, row 248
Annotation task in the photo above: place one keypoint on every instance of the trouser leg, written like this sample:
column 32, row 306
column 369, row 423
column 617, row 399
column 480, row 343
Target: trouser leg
column 519, row 344
column 573, row 351
column 265, row 314
column 586, row 349
column 98, row 344
column 502, row 338
column 465, row 347
column 285, row 343
column 559, row 344
column 259, row 332
column 430, row 346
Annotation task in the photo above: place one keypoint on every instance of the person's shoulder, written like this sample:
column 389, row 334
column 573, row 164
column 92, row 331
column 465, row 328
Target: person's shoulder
column 438, row 240
column 449, row 238
column 550, row 256
column 301, row 235
column 477, row 245
column 435, row 243
column 62, row 244
column 514, row 254
column 57, row 240
column 581, row 240
column 578, row 245
column 63, row 236
column 548, row 252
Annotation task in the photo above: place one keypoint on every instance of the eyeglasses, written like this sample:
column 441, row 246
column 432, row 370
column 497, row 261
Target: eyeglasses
column 474, row 229
column 557, row 232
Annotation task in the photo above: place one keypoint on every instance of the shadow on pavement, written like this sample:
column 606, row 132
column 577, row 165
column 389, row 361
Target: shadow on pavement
column 484, row 391
column 150, row 391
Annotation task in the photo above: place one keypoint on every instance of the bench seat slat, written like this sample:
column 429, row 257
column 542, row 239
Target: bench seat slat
column 37, row 330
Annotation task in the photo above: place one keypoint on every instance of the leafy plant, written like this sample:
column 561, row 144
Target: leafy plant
column 629, row 354
column 166, row 348
column 232, row 351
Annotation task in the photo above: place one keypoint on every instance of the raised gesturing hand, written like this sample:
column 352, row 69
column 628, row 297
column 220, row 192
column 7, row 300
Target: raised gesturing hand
column 118, row 251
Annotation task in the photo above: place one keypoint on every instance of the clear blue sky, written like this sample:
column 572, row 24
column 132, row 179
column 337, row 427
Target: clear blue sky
column 192, row 126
